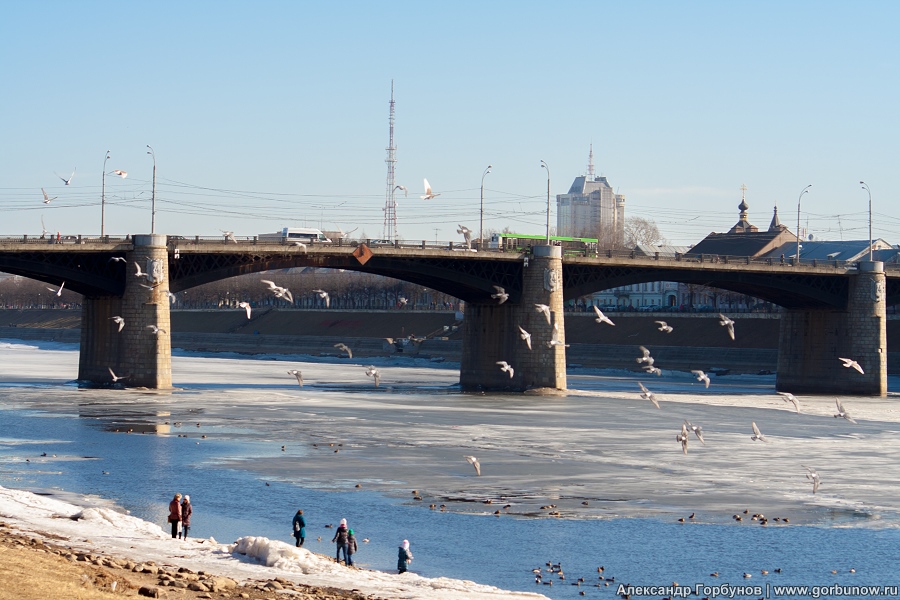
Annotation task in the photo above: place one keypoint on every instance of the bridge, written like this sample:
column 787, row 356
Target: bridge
column 831, row 309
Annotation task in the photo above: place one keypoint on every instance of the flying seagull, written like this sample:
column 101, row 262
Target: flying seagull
column 554, row 340
column 138, row 272
column 601, row 318
column 155, row 330
column 505, row 367
column 663, row 326
column 543, row 308
column 466, row 233
column 789, row 397
column 756, row 434
column 59, row 291
column 280, row 292
column 117, row 259
column 500, row 295
column 229, row 236
column 120, row 173
column 651, row 370
column 852, row 364
column 726, row 322
column 324, row 296
column 697, row 429
column 701, row 376
column 813, row 477
column 474, row 462
column 44, row 231
column 525, row 336
column 345, row 348
column 429, row 194
column 841, row 412
column 298, row 375
column 66, row 181
column 171, row 296
column 120, row 321
column 246, row 306
column 402, row 300
column 114, row 376
column 402, row 187
column 648, row 395
column 646, row 358
column 47, row 198
column 371, row 371
column 683, row 438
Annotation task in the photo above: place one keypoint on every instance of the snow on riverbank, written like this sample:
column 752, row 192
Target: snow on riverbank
column 105, row 530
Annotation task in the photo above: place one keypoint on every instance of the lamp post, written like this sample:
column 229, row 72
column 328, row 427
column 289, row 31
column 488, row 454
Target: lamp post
column 103, row 198
column 544, row 165
column 153, row 197
column 481, row 219
column 805, row 190
column 865, row 186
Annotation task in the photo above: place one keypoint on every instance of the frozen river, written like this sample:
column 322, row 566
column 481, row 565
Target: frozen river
column 251, row 447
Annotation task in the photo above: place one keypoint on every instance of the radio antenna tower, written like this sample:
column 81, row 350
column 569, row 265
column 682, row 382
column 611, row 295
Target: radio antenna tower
column 390, row 202
column 590, row 168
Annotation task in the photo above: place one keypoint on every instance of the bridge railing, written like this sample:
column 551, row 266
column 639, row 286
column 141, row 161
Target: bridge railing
column 38, row 240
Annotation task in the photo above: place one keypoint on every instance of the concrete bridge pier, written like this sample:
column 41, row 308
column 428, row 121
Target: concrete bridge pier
column 142, row 358
column 491, row 333
column 811, row 340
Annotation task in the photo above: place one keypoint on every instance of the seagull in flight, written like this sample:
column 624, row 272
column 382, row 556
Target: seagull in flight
column 813, row 477
column 246, row 306
column 543, row 308
column 120, row 321
column 651, row 370
column 683, row 438
column 405, row 191
column 171, row 296
column 697, row 429
column 505, row 367
column 841, row 412
column 66, row 181
column 525, row 336
column 229, row 236
column 554, row 340
column 345, row 348
column 44, row 231
column 324, row 296
column 500, row 295
column 789, row 397
column 663, row 326
column 120, row 173
column 280, row 292
column 138, row 272
column 117, row 259
column 155, row 330
column 646, row 358
column 298, row 375
column 371, row 371
column 757, row 435
column 466, row 233
column 474, row 462
column 114, row 376
column 59, row 291
column 601, row 318
column 852, row 364
column 47, row 198
column 648, row 395
column 402, row 300
column 701, row 376
column 429, row 194
column 726, row 322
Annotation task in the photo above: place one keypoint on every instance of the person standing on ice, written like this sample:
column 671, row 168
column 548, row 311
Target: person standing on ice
column 351, row 547
column 299, row 528
column 186, row 510
column 340, row 538
column 404, row 557
column 175, row 514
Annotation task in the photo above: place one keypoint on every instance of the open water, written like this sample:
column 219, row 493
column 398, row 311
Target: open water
column 136, row 449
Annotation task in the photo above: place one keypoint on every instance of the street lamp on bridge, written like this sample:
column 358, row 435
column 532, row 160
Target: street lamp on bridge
column 153, row 197
column 544, row 165
column 865, row 186
column 103, row 198
column 481, row 220
column 805, row 190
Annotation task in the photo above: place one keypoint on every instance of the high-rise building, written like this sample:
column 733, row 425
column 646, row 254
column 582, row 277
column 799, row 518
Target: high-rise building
column 592, row 209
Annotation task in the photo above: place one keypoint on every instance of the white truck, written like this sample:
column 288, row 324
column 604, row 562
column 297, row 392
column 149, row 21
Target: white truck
column 289, row 235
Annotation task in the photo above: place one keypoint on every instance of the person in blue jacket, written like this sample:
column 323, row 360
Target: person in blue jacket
column 299, row 528
column 404, row 556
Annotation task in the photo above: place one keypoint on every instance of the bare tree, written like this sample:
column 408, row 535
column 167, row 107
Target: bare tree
column 639, row 230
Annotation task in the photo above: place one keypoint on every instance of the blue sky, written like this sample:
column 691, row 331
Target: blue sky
column 269, row 114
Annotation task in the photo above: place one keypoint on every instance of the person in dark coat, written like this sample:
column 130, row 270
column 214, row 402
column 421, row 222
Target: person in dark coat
column 299, row 528
column 351, row 547
column 404, row 556
column 186, row 510
column 175, row 514
column 340, row 538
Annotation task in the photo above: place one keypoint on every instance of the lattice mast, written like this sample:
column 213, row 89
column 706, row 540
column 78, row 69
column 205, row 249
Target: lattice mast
column 590, row 167
column 390, row 201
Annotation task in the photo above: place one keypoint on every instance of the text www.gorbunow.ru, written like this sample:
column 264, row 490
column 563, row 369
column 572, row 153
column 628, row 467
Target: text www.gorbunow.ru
column 760, row 591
